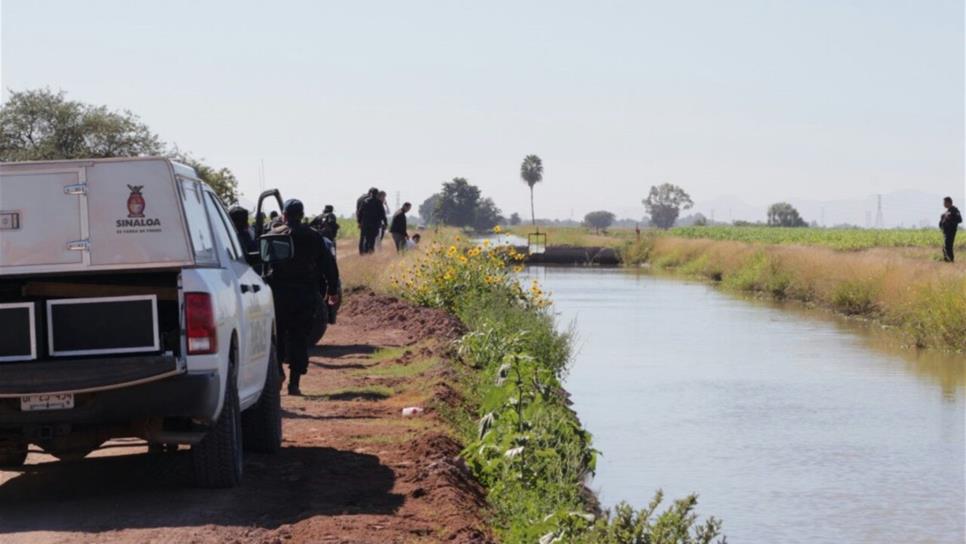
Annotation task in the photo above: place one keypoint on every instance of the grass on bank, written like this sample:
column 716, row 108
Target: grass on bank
column 924, row 300
column 839, row 239
column 528, row 447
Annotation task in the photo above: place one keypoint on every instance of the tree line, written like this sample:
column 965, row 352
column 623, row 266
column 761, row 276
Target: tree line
column 42, row 124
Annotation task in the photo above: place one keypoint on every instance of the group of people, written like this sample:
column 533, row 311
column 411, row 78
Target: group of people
column 372, row 216
column 298, row 284
column 312, row 273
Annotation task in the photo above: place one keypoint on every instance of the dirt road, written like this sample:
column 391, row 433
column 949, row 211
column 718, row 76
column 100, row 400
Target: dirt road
column 353, row 468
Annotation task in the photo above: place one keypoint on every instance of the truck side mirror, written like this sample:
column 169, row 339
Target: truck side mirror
column 275, row 248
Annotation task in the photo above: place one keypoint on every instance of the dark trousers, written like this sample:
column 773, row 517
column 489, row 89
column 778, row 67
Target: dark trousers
column 400, row 241
column 949, row 241
column 294, row 309
column 362, row 241
column 369, row 236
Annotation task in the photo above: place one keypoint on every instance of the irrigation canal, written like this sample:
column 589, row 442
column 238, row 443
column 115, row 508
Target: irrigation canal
column 791, row 425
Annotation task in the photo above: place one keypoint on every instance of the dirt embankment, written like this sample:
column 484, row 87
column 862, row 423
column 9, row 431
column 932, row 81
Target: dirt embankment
column 353, row 469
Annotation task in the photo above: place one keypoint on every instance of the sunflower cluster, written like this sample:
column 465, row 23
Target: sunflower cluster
column 447, row 274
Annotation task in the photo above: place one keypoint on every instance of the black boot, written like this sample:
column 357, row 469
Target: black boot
column 293, row 384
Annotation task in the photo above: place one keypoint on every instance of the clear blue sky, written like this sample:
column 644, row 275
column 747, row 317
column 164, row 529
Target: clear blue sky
column 766, row 100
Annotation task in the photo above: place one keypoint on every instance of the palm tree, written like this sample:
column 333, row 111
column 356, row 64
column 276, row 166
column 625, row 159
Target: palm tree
column 532, row 173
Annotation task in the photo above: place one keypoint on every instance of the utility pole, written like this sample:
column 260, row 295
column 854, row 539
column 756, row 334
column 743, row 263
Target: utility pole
column 879, row 221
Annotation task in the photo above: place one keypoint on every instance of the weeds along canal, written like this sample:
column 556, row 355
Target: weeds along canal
column 791, row 425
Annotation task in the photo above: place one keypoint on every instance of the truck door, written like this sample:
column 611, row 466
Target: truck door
column 254, row 300
column 42, row 218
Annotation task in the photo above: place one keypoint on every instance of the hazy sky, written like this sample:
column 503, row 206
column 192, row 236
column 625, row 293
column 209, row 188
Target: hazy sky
column 765, row 100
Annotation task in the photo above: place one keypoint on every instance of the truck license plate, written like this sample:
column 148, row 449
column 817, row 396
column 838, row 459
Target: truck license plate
column 35, row 403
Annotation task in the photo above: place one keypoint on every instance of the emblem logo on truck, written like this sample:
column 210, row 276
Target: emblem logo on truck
column 135, row 202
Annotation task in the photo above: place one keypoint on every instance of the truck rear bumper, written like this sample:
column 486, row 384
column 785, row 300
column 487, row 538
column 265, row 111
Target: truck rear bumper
column 183, row 396
column 82, row 375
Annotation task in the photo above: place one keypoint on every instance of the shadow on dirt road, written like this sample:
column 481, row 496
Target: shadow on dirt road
column 154, row 491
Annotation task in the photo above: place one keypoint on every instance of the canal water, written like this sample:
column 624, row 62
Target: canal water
column 791, row 425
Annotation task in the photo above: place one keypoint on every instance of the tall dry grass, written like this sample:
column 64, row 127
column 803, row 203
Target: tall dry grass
column 374, row 271
column 924, row 299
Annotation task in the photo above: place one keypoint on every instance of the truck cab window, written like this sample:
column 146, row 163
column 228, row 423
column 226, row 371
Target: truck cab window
column 198, row 227
column 223, row 227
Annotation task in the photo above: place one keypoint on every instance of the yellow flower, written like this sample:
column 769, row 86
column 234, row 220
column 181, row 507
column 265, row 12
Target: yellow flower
column 451, row 251
column 497, row 229
column 518, row 268
column 486, row 243
column 463, row 259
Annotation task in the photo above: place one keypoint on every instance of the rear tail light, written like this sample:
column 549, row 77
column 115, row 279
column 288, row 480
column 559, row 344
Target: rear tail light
column 200, row 324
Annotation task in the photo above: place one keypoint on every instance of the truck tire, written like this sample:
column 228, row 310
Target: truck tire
column 262, row 423
column 13, row 455
column 217, row 459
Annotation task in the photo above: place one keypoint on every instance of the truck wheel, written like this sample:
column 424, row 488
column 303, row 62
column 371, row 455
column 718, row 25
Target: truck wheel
column 13, row 455
column 262, row 423
column 217, row 459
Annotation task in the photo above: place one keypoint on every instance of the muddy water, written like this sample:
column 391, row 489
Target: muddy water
column 792, row 426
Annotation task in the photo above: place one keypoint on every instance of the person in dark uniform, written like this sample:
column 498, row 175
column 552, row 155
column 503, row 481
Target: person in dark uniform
column 329, row 226
column 398, row 227
column 372, row 218
column 296, row 287
column 949, row 223
column 246, row 235
column 359, row 202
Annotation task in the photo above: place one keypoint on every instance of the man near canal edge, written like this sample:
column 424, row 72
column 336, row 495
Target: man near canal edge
column 398, row 227
column 949, row 222
column 295, row 284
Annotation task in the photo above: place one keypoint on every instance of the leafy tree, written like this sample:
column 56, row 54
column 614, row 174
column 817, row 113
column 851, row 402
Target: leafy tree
column 38, row 125
column 222, row 181
column 531, row 170
column 783, row 214
column 487, row 215
column 427, row 210
column 664, row 203
column 44, row 125
column 514, row 219
column 461, row 204
column 599, row 220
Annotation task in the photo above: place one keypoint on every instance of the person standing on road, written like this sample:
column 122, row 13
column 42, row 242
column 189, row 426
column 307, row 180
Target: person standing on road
column 295, row 284
column 398, row 227
column 359, row 202
column 949, row 222
column 246, row 235
column 330, row 223
column 372, row 218
column 386, row 211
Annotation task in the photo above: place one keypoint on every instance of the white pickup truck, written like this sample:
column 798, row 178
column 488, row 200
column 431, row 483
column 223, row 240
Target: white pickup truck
column 128, row 309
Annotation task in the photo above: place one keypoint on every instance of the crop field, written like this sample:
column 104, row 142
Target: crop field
column 843, row 239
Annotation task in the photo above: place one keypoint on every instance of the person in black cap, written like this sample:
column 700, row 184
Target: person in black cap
column 296, row 287
column 239, row 218
column 949, row 223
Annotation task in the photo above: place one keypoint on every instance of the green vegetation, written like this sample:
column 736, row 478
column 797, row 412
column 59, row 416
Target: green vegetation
column 528, row 448
column 924, row 301
column 42, row 125
column 400, row 370
column 841, row 239
column 460, row 204
column 531, row 172
column 664, row 203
